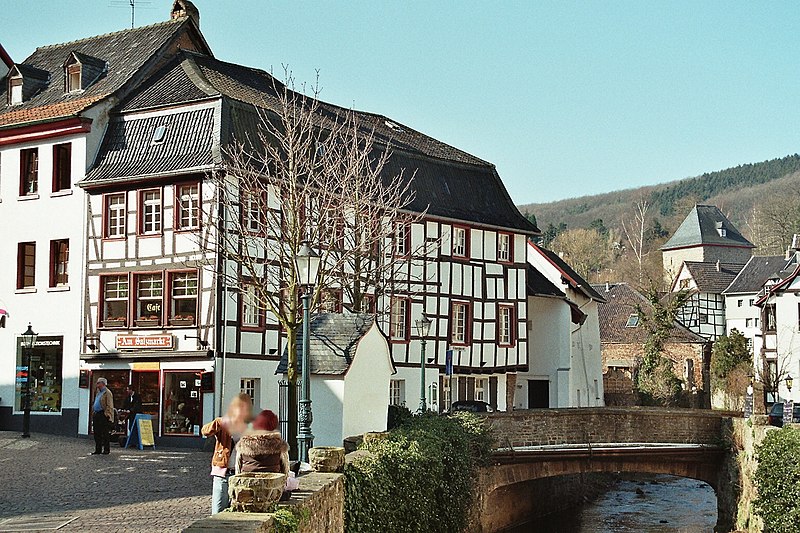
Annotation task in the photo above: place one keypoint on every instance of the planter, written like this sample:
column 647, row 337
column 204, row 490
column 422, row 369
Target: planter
column 326, row 458
column 255, row 492
column 113, row 323
column 147, row 323
column 181, row 321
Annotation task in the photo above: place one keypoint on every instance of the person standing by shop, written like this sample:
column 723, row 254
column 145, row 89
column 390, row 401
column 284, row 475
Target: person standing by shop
column 227, row 430
column 102, row 418
column 132, row 404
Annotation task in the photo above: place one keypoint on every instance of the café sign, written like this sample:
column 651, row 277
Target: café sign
column 145, row 342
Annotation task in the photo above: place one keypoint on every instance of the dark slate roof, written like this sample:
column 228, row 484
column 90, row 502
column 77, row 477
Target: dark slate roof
column 444, row 179
column 621, row 300
column 333, row 342
column 91, row 69
column 125, row 52
column 569, row 275
column 538, row 285
column 128, row 151
column 757, row 271
column 34, row 79
column 712, row 277
column 701, row 226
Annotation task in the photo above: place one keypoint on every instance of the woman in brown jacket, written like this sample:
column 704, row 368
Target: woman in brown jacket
column 227, row 430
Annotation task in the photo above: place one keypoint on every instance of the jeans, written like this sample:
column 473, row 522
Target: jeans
column 219, row 495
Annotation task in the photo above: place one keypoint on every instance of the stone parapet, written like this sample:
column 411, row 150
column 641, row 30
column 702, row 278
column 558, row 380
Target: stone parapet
column 320, row 500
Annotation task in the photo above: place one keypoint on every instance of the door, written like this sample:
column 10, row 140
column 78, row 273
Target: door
column 538, row 393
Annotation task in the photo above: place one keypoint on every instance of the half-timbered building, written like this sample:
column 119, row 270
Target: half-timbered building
column 53, row 114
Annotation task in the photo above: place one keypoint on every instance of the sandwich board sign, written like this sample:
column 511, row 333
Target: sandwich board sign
column 141, row 432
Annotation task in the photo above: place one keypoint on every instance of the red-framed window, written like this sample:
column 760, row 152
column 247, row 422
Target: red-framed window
column 400, row 319
column 402, row 239
column 183, row 294
column 331, row 301
column 506, row 327
column 114, row 300
column 505, row 247
column 151, row 212
column 460, row 241
column 251, row 309
column 149, row 299
column 26, row 265
column 187, row 206
column 62, row 167
column 460, row 324
column 114, row 215
column 59, row 263
column 29, row 171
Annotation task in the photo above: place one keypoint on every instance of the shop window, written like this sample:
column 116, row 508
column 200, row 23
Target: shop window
column 150, row 212
column 397, row 392
column 146, row 383
column 45, row 374
column 505, row 325
column 399, row 323
column 117, row 381
column 459, row 323
column 62, row 167
column 115, row 215
column 183, row 411
column 183, row 306
column 149, row 299
column 26, row 265
column 29, row 172
column 188, row 199
column 460, row 241
column 59, row 263
column 504, row 251
column 115, row 301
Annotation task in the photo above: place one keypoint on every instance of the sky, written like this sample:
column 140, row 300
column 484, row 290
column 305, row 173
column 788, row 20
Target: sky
column 566, row 98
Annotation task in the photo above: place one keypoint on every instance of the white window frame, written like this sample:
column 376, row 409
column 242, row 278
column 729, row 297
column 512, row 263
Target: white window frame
column 189, row 206
column 481, row 388
column 251, row 387
column 459, row 248
column 460, row 323
column 398, row 319
column 152, row 211
column 152, row 291
column 116, row 291
column 183, row 286
column 504, row 247
column 251, row 206
column 505, row 331
column 397, row 392
column 251, row 311
column 115, row 215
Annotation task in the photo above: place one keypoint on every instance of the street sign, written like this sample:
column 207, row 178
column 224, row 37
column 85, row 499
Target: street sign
column 22, row 369
column 748, row 406
column 788, row 412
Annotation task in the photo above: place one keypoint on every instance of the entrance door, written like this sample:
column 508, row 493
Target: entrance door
column 538, row 393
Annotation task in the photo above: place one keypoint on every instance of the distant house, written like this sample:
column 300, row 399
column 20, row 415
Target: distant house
column 350, row 371
column 623, row 336
column 704, row 312
column 705, row 235
column 564, row 349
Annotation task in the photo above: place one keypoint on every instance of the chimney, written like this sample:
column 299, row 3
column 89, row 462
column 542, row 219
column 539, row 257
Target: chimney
column 717, row 265
column 185, row 8
column 608, row 288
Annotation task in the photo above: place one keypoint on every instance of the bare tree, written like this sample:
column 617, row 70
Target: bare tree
column 312, row 173
column 635, row 230
column 585, row 249
column 773, row 222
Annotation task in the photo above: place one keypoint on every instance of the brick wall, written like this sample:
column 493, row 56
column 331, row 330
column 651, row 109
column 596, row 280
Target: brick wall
column 538, row 427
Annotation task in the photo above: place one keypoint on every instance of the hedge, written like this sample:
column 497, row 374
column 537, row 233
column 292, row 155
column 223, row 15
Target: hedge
column 419, row 478
column 778, row 480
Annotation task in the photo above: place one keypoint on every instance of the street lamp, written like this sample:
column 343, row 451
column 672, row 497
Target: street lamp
column 307, row 263
column 28, row 340
column 423, row 328
column 789, row 382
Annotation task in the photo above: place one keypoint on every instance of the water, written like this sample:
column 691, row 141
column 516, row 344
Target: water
column 638, row 504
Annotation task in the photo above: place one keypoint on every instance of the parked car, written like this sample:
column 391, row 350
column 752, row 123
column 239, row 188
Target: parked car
column 471, row 406
column 776, row 414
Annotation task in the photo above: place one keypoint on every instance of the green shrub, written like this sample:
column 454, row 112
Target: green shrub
column 419, row 479
column 398, row 415
column 778, row 480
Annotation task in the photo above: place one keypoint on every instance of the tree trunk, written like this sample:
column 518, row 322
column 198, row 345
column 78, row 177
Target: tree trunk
column 291, row 392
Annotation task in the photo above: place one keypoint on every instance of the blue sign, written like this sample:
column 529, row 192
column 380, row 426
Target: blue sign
column 22, row 380
column 22, row 369
column 448, row 363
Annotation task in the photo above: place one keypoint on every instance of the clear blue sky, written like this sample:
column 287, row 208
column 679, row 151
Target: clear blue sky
column 566, row 98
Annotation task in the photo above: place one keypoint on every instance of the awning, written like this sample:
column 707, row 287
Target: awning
column 150, row 355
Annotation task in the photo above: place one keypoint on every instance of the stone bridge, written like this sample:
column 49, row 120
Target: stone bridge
column 548, row 443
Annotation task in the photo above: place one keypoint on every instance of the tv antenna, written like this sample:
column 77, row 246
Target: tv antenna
column 132, row 4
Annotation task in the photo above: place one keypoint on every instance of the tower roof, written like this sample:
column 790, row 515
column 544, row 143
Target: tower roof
column 706, row 225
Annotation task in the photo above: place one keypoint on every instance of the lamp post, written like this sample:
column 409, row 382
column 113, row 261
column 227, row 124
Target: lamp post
column 423, row 327
column 307, row 263
column 28, row 340
column 788, row 404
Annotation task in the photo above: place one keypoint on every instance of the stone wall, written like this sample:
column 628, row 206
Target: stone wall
column 536, row 427
column 320, row 500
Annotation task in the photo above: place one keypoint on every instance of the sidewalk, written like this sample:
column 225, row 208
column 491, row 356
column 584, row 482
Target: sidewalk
column 48, row 480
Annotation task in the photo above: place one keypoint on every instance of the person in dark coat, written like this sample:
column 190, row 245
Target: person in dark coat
column 132, row 404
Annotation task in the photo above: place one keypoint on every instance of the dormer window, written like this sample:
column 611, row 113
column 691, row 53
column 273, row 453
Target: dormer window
column 721, row 230
column 633, row 321
column 73, row 76
column 15, row 90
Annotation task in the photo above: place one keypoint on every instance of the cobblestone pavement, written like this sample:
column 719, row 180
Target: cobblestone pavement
column 129, row 490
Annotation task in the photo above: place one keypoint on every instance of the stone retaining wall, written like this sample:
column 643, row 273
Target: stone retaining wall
column 536, row 427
